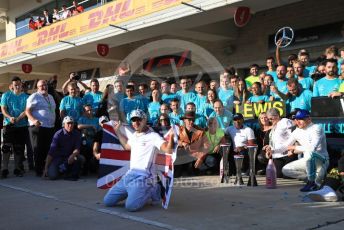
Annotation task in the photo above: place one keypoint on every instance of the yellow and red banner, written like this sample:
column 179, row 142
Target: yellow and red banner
column 112, row 13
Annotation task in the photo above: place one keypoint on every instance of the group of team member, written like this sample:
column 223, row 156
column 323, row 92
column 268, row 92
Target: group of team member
column 205, row 114
column 48, row 18
column 30, row 122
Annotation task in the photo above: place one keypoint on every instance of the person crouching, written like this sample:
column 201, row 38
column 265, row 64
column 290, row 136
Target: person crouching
column 63, row 158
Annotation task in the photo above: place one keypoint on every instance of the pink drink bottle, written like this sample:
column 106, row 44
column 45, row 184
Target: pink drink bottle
column 271, row 175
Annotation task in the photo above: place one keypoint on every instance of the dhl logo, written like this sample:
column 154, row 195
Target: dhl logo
column 12, row 47
column 111, row 13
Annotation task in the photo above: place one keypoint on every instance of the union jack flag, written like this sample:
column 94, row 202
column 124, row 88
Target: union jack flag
column 114, row 161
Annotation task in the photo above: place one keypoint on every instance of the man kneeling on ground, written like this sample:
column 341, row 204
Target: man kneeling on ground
column 63, row 157
column 139, row 184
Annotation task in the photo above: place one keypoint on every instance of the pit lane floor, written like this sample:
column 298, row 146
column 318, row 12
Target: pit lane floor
column 197, row 203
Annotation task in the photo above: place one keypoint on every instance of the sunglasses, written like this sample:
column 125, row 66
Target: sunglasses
column 135, row 119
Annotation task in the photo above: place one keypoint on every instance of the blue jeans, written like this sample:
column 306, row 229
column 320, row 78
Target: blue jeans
column 316, row 167
column 312, row 166
column 72, row 170
column 136, row 187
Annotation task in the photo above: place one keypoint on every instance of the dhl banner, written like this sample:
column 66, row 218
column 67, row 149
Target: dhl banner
column 112, row 13
column 253, row 110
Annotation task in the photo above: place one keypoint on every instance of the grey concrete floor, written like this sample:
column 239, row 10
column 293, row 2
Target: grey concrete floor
column 197, row 203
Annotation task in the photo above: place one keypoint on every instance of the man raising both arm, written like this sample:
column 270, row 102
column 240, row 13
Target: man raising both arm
column 139, row 184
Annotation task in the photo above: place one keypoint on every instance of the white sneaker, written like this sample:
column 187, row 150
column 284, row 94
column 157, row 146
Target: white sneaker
column 326, row 194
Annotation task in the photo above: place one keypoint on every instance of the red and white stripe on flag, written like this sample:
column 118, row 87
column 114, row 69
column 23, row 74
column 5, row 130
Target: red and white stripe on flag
column 114, row 161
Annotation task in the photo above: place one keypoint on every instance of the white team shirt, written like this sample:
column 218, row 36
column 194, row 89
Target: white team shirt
column 311, row 139
column 143, row 150
column 240, row 136
column 42, row 109
column 278, row 136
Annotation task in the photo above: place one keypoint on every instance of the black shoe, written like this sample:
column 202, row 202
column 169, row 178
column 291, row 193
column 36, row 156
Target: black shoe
column 4, row 173
column 309, row 187
column 18, row 173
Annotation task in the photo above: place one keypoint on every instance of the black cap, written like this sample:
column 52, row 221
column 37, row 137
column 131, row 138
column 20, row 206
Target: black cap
column 238, row 116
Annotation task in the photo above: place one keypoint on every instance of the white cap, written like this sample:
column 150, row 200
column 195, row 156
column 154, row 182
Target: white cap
column 67, row 119
column 138, row 113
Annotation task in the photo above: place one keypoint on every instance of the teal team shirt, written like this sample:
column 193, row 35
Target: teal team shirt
column 282, row 87
column 273, row 74
column 200, row 101
column 186, row 98
column 153, row 112
column 145, row 101
column 167, row 98
column 258, row 98
column 303, row 101
column 93, row 99
column 207, row 109
column 340, row 61
column 175, row 118
column 127, row 105
column 224, row 95
column 90, row 131
column 72, row 106
column 15, row 105
column 309, row 70
column 324, row 86
column 224, row 120
column 306, row 83
column 90, row 121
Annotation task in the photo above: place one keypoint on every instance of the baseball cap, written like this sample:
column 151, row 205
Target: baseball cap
column 103, row 119
column 68, row 119
column 137, row 113
column 238, row 116
column 302, row 114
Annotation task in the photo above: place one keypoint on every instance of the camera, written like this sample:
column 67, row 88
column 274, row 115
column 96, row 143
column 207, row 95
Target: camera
column 74, row 76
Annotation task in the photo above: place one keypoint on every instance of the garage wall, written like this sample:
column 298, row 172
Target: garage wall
column 251, row 45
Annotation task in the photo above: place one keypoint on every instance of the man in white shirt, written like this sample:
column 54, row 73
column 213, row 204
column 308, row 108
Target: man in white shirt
column 139, row 184
column 280, row 132
column 40, row 110
column 312, row 144
column 242, row 136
